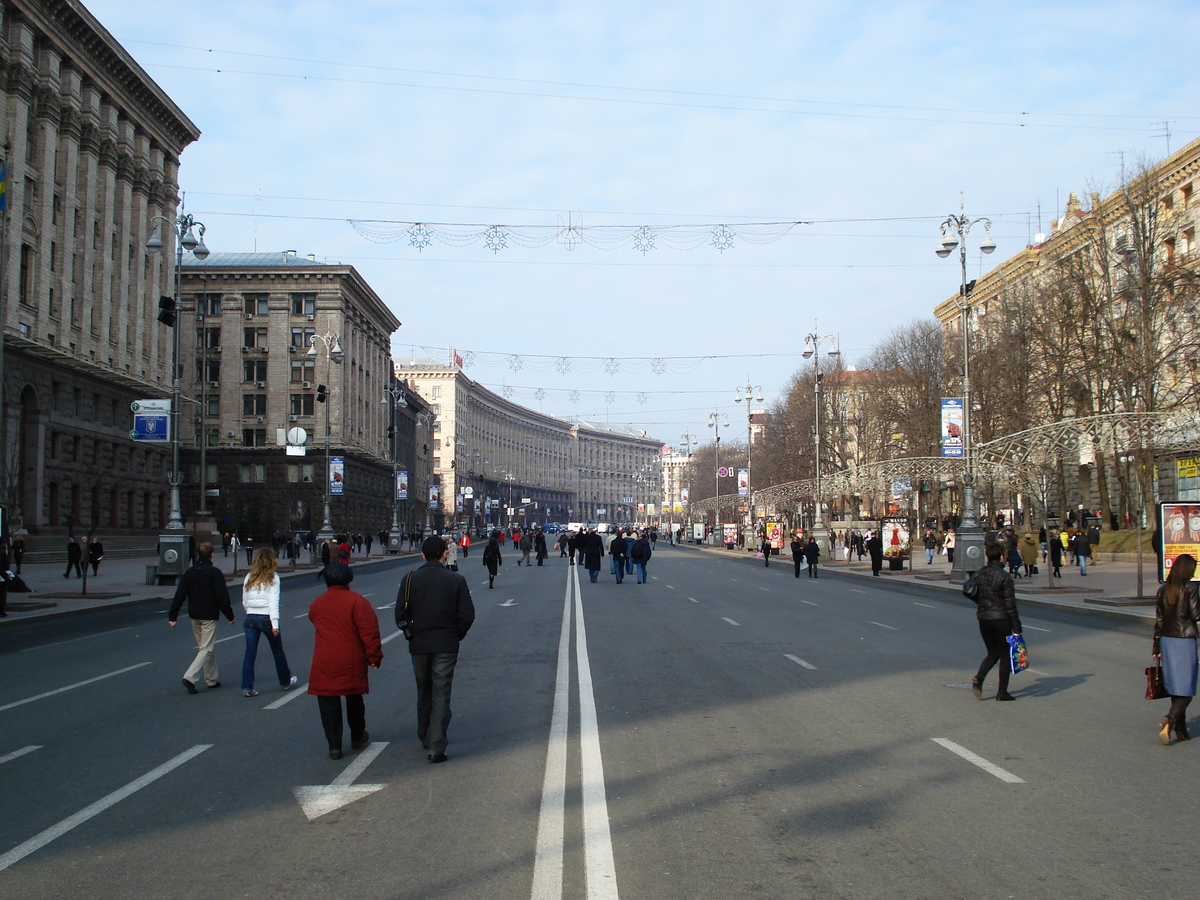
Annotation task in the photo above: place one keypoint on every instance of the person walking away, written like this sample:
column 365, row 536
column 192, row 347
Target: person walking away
column 369, row 541
column 1093, row 536
column 464, row 544
column 948, row 543
column 434, row 606
column 592, row 550
column 930, row 546
column 539, row 546
column 875, row 547
column 1176, row 625
column 260, row 599
column 640, row 554
column 1014, row 559
column 562, row 544
column 95, row 554
column 812, row 553
column 618, row 550
column 1079, row 544
column 630, row 540
column 765, row 549
column 797, row 549
column 493, row 560
column 249, row 545
column 4, row 564
column 203, row 587
column 1029, row 553
column 996, row 610
column 451, row 560
column 573, row 545
column 18, row 552
column 74, row 554
column 526, row 545
column 1056, row 554
column 346, row 644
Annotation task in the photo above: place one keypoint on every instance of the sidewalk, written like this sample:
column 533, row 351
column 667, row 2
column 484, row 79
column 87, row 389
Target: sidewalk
column 122, row 582
column 1109, row 590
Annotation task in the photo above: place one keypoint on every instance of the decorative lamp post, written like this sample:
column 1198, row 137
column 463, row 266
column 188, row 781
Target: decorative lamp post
column 969, row 536
column 754, row 390
column 812, row 344
column 394, row 395
column 333, row 354
column 715, row 423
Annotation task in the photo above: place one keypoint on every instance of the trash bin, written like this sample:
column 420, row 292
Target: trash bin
column 896, row 563
column 152, row 574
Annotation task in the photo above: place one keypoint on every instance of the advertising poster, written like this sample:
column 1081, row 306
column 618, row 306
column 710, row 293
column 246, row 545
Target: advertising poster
column 896, row 535
column 401, row 485
column 730, row 529
column 775, row 535
column 743, row 482
column 337, row 474
column 952, row 426
column 684, row 493
column 1179, row 525
column 433, row 496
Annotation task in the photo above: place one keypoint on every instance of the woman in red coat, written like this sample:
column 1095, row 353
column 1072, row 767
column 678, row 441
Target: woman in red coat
column 347, row 642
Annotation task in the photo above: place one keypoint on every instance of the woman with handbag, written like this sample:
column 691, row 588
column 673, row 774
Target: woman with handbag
column 996, row 610
column 492, row 559
column 1176, row 625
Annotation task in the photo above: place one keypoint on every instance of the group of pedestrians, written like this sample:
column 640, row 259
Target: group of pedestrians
column 433, row 609
column 75, row 550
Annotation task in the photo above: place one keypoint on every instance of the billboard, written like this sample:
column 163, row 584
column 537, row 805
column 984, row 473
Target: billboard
column 775, row 535
column 337, row 474
column 730, row 530
column 952, row 427
column 1179, row 525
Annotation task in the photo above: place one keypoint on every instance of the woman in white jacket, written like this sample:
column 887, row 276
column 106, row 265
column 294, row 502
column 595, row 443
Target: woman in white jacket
column 260, row 597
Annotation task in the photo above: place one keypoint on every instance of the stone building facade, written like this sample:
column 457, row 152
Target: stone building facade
column 92, row 150
column 249, row 322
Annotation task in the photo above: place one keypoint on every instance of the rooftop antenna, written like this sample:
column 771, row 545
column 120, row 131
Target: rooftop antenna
column 258, row 198
column 1165, row 127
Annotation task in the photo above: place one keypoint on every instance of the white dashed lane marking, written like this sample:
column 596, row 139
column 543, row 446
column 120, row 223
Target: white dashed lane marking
column 1035, row 628
column 926, row 605
column 810, row 603
column 991, row 768
column 798, row 661
column 888, row 627
column 730, row 621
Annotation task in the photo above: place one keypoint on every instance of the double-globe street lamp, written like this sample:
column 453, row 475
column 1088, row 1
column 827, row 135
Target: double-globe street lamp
column 755, row 391
column 394, row 395
column 716, row 424
column 969, row 536
column 333, row 354
column 812, row 345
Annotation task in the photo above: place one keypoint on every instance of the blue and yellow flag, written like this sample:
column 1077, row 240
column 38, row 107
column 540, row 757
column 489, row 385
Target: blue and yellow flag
column 3, row 186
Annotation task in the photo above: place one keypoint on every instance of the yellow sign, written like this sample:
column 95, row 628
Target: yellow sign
column 1189, row 468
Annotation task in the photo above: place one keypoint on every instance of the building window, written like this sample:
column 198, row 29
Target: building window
column 208, row 304
column 252, row 473
column 301, row 474
column 302, row 337
column 256, row 338
column 254, row 437
column 254, row 405
column 209, row 337
column 256, row 304
column 254, row 370
column 436, row 391
column 303, row 370
column 25, row 278
column 304, row 304
column 302, row 404
column 212, row 405
column 208, row 370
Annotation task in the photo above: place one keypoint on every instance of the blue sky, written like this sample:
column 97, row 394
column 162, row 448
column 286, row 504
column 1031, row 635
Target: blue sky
column 865, row 120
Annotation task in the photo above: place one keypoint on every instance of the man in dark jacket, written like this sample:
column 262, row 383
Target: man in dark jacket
column 435, row 604
column 203, row 587
column 640, row 554
column 996, row 610
column 95, row 554
column 1082, row 547
column 617, row 550
column 875, row 548
column 74, row 555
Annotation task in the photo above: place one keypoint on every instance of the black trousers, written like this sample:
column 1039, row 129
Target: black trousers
column 435, row 678
column 994, row 632
column 876, row 564
column 73, row 563
column 331, row 718
column 812, row 570
column 796, row 560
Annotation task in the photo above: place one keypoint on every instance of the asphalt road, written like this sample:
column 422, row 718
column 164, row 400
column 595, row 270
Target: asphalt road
column 723, row 731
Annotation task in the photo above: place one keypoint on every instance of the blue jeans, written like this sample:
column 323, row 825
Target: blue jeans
column 1082, row 563
column 629, row 565
column 254, row 627
column 618, row 568
column 641, row 572
column 928, row 556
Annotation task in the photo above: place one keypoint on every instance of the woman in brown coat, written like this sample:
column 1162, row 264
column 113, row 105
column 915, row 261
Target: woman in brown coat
column 347, row 642
column 1176, row 625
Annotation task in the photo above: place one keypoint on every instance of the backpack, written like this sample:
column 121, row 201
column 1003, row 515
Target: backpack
column 638, row 551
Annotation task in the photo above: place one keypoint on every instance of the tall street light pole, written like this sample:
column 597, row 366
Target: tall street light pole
column 333, row 354
column 715, row 423
column 969, row 538
column 755, row 391
column 812, row 346
column 394, row 394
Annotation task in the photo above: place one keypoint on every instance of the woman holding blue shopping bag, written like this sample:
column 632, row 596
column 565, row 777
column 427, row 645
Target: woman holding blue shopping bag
column 996, row 610
column 1176, row 625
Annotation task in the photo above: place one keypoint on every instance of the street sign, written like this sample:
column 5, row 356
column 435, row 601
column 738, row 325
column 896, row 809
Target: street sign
column 468, row 492
column 151, row 420
column 723, row 472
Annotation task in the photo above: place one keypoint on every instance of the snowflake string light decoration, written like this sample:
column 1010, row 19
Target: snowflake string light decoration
column 419, row 236
column 610, row 398
column 468, row 357
column 539, row 395
column 573, row 396
column 658, row 366
column 643, row 239
column 496, row 238
column 611, row 366
column 722, row 238
column 507, row 391
column 515, row 362
column 562, row 365
column 643, row 398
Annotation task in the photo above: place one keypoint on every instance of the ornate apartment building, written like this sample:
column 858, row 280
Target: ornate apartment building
column 91, row 155
column 493, row 456
column 249, row 323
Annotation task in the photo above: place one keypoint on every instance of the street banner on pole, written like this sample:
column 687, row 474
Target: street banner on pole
column 337, row 474
column 684, row 493
column 401, row 485
column 952, row 427
column 743, row 482
column 433, row 496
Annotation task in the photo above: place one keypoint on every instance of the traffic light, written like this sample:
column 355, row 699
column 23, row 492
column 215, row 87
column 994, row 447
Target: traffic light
column 166, row 311
column 322, row 393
